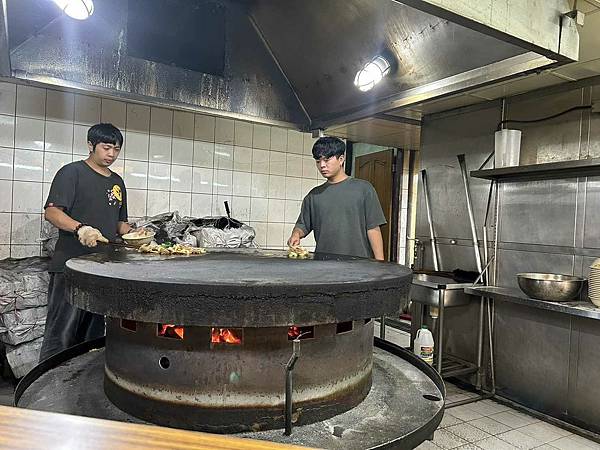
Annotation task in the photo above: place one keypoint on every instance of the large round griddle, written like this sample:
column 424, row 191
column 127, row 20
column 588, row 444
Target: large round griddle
column 251, row 288
column 194, row 382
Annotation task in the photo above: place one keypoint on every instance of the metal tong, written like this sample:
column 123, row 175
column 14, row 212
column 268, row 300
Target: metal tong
column 118, row 244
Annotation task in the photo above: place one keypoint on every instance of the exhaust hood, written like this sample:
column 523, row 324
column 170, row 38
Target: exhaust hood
column 284, row 62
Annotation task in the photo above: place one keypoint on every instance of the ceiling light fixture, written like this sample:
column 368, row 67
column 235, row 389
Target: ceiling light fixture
column 372, row 73
column 77, row 9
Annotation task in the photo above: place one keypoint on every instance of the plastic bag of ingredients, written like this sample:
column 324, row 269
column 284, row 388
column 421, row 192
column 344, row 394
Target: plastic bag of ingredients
column 199, row 232
column 228, row 238
column 223, row 232
column 171, row 227
column 23, row 283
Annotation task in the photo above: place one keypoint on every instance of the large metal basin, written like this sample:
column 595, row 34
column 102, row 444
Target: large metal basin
column 550, row 286
column 431, row 289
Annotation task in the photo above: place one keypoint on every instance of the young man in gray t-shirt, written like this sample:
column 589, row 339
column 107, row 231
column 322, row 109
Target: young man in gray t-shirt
column 344, row 213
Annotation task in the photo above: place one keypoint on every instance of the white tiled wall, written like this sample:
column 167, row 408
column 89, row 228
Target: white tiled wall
column 171, row 160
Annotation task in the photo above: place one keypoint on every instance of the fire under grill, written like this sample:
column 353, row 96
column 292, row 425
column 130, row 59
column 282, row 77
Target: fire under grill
column 202, row 343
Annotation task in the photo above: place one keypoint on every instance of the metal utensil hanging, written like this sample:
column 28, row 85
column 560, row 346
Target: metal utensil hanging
column 465, row 178
column 433, row 241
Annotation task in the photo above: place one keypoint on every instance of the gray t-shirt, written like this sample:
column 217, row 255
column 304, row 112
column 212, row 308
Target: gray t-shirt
column 340, row 214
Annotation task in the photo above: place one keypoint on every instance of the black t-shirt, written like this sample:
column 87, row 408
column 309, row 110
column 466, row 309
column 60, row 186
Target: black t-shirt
column 88, row 197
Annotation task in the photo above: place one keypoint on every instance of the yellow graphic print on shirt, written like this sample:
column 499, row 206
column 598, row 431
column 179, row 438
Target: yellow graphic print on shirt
column 115, row 195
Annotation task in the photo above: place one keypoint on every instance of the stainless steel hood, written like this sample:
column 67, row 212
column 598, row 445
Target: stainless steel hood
column 96, row 54
column 284, row 61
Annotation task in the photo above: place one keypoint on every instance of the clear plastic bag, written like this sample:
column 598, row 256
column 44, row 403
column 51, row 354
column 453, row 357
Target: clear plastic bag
column 170, row 227
column 223, row 232
column 243, row 236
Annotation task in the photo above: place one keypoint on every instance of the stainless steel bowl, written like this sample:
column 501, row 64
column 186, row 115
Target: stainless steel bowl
column 133, row 239
column 550, row 286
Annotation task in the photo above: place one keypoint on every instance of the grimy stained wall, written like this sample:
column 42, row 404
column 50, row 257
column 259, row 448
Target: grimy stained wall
column 545, row 226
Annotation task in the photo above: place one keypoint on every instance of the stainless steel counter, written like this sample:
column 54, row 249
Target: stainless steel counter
column 580, row 308
column 545, row 355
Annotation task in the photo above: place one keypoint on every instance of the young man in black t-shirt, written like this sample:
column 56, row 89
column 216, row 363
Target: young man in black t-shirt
column 88, row 204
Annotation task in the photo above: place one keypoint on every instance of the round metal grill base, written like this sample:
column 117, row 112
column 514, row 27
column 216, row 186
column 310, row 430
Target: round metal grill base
column 395, row 413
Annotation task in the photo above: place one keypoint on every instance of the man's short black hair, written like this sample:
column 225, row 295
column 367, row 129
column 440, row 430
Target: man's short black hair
column 106, row 133
column 326, row 147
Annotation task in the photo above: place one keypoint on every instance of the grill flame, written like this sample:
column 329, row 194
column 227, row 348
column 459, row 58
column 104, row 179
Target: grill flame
column 224, row 336
column 172, row 331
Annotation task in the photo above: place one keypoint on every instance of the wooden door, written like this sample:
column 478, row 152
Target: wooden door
column 377, row 169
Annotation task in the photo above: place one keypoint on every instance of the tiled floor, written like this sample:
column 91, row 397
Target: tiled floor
column 489, row 425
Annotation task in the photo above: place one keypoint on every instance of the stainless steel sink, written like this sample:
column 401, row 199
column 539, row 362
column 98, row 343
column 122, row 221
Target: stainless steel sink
column 433, row 289
column 431, row 294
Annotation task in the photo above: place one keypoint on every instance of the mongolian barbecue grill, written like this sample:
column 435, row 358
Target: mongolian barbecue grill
column 202, row 342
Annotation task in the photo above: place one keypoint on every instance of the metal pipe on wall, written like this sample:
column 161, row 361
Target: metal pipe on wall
column 485, row 255
column 490, row 319
column 496, row 233
column 496, row 186
column 434, row 253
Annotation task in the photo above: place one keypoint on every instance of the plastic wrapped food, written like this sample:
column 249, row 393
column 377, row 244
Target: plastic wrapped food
column 206, row 232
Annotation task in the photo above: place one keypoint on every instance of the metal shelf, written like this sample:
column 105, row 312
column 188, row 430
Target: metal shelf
column 576, row 308
column 453, row 367
column 546, row 171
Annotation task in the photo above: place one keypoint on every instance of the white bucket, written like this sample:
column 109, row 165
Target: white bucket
column 507, row 148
